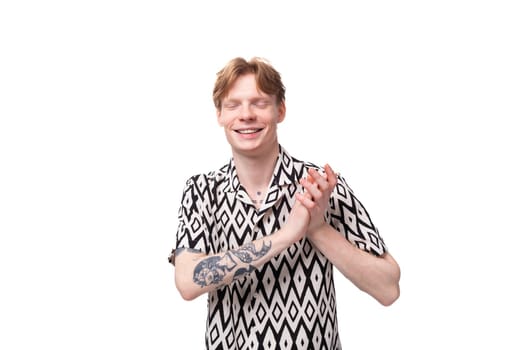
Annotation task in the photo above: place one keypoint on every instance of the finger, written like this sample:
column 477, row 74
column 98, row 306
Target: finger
column 305, row 200
column 318, row 178
column 331, row 176
column 311, row 197
column 311, row 189
column 306, row 193
column 310, row 179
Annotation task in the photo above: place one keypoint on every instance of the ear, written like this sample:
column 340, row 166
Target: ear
column 282, row 112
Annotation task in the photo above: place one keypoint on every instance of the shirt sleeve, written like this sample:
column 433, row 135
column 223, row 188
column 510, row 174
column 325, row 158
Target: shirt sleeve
column 348, row 216
column 192, row 231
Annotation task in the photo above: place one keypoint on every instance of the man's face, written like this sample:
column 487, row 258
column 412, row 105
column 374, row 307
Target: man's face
column 250, row 117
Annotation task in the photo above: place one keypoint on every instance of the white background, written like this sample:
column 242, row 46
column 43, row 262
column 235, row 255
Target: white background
column 106, row 109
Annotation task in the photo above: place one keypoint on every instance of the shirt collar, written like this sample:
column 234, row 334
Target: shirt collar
column 284, row 172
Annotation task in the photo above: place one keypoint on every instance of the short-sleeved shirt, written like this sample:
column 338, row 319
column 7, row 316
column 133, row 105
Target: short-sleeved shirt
column 289, row 302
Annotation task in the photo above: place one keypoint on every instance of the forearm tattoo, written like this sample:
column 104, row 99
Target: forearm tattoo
column 214, row 269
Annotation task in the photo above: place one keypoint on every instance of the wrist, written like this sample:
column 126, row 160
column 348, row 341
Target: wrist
column 285, row 237
column 318, row 232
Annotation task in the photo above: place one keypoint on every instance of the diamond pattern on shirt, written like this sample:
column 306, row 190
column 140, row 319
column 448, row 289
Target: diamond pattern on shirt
column 288, row 303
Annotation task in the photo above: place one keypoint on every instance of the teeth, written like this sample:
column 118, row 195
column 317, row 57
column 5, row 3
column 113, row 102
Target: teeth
column 247, row 131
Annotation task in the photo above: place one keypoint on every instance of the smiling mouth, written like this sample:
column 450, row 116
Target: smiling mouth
column 248, row 131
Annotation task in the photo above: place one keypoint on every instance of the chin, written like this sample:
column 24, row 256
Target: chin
column 245, row 148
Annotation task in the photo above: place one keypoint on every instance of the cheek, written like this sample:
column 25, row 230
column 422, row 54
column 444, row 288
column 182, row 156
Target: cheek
column 223, row 119
column 223, row 123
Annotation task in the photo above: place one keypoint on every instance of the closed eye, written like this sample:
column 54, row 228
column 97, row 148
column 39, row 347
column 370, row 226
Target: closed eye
column 231, row 105
column 261, row 104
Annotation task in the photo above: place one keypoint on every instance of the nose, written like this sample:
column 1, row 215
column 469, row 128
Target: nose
column 247, row 112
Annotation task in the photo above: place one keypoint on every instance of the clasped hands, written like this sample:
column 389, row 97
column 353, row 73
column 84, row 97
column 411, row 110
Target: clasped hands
column 314, row 200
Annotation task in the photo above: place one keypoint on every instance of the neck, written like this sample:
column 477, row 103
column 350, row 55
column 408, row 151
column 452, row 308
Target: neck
column 255, row 172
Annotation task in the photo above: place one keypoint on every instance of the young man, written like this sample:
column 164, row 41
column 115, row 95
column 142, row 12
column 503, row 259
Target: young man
column 261, row 235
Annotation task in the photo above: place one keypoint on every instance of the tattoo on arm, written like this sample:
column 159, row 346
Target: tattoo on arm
column 212, row 270
column 247, row 253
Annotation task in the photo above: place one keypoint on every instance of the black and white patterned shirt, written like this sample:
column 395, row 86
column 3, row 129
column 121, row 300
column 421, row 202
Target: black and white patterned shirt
column 288, row 303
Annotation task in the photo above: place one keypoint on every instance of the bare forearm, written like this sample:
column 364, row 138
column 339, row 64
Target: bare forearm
column 196, row 273
column 377, row 276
